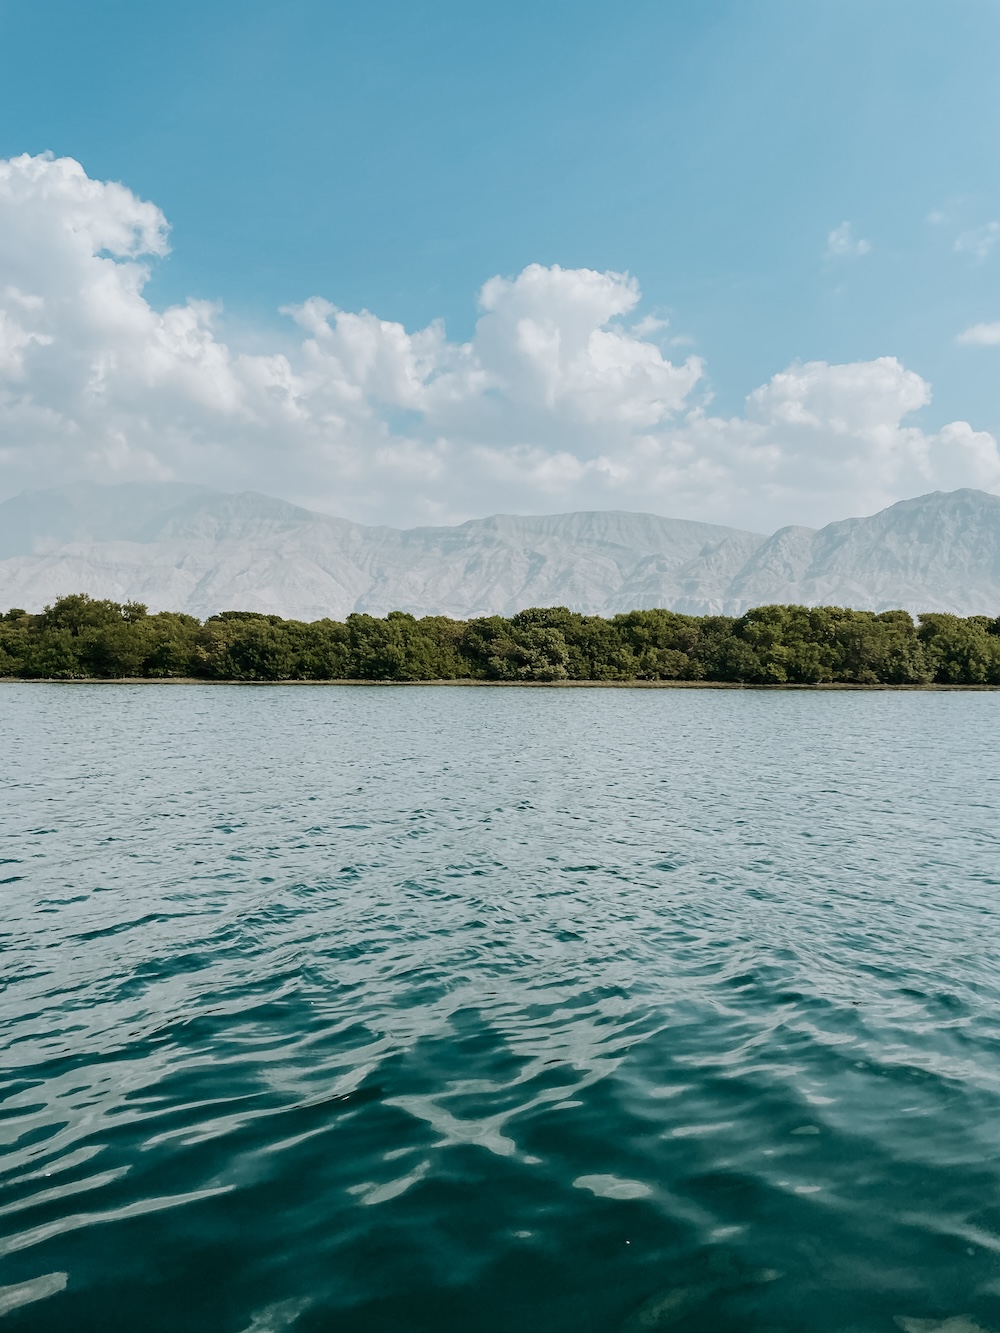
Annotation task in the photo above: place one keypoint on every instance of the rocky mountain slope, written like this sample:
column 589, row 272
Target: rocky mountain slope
column 197, row 550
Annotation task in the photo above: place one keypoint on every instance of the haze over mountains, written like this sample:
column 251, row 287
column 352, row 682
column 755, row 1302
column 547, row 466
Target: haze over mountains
column 188, row 548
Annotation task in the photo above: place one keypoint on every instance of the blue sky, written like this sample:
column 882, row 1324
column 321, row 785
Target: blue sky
column 394, row 156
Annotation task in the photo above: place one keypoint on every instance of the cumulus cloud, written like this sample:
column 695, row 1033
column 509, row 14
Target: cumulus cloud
column 841, row 243
column 981, row 335
column 561, row 398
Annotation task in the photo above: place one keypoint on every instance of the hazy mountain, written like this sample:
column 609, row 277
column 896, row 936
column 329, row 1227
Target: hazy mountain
column 193, row 549
column 939, row 552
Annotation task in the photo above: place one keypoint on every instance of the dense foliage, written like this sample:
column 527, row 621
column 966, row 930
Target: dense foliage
column 80, row 637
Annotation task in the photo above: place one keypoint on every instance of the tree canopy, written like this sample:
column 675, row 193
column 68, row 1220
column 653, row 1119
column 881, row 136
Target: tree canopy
column 80, row 637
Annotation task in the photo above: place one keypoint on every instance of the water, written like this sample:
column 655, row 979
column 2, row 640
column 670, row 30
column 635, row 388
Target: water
column 401, row 1010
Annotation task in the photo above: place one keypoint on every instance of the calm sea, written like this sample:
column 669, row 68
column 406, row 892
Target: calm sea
column 401, row 1010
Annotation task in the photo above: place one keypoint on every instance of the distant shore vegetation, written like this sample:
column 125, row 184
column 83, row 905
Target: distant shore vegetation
column 80, row 637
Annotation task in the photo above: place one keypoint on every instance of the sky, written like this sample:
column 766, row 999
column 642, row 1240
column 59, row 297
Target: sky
column 415, row 261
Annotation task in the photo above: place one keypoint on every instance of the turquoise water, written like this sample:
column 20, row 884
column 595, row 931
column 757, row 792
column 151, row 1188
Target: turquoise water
column 382, row 1010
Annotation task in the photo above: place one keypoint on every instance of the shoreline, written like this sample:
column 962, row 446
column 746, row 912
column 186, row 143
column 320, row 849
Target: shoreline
column 495, row 684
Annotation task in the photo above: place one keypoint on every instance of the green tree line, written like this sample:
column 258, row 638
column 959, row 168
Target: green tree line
column 80, row 637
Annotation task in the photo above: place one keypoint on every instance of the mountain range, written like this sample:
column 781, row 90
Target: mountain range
column 189, row 548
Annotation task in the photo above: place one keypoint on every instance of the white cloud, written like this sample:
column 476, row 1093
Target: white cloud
column 648, row 325
column 979, row 241
column 555, row 403
column 981, row 335
column 841, row 243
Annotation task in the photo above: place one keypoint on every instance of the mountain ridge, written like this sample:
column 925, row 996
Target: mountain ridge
column 190, row 548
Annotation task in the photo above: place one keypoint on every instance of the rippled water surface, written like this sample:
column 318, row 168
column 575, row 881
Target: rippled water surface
column 382, row 1010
